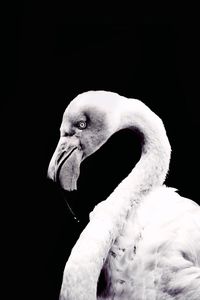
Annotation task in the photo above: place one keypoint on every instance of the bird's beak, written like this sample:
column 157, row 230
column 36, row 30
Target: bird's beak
column 64, row 166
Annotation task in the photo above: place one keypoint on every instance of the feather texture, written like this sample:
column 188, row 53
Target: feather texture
column 143, row 241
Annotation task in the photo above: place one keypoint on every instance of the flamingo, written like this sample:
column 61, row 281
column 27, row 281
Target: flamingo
column 143, row 241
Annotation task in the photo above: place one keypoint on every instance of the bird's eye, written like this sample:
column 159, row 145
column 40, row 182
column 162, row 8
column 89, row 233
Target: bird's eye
column 82, row 125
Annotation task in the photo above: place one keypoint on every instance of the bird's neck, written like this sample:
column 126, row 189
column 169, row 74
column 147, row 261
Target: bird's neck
column 149, row 172
column 152, row 168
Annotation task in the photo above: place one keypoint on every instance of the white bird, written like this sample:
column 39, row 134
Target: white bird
column 143, row 241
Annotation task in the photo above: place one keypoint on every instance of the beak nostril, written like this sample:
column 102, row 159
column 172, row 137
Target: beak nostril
column 67, row 133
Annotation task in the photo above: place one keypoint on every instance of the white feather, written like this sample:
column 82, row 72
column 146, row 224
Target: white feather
column 144, row 237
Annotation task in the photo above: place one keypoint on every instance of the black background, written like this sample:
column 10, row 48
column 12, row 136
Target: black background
column 56, row 52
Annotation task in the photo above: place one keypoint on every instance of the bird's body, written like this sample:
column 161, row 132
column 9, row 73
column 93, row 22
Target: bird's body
column 157, row 254
column 143, row 241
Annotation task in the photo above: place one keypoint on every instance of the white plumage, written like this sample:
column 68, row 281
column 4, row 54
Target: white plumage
column 144, row 239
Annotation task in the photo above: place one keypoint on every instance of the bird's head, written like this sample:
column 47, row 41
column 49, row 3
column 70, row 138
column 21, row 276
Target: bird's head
column 85, row 127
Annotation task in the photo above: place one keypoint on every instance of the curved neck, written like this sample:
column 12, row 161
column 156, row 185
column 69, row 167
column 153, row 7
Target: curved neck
column 152, row 168
column 88, row 255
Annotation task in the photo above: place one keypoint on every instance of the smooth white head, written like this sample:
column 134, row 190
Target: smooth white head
column 86, row 126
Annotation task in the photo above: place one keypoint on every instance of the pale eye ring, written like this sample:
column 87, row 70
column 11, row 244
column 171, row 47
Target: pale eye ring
column 82, row 125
